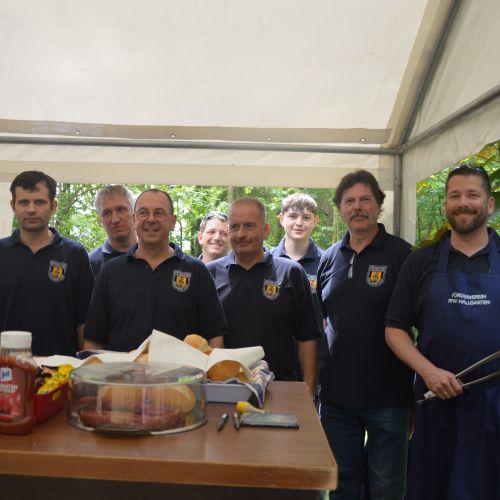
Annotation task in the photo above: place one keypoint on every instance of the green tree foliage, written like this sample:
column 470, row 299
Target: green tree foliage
column 76, row 217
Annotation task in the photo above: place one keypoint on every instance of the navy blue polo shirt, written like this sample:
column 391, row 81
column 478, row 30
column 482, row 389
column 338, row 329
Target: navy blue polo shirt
column 130, row 300
column 99, row 256
column 310, row 261
column 310, row 264
column 268, row 305
column 354, row 289
column 46, row 293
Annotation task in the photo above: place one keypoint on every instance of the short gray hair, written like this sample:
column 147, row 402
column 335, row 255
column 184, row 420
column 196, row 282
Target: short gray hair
column 249, row 200
column 113, row 190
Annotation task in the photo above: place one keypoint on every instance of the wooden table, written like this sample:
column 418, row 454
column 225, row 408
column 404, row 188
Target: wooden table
column 60, row 460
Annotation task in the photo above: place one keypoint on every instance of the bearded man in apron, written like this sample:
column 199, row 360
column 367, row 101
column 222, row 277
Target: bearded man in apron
column 451, row 293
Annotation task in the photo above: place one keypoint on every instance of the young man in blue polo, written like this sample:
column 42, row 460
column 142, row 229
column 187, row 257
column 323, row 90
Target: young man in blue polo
column 155, row 285
column 267, row 299
column 46, row 280
column 298, row 217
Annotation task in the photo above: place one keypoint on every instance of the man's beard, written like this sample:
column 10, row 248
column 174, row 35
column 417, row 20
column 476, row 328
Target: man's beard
column 467, row 226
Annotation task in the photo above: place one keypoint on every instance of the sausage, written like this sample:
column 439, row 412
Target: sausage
column 91, row 416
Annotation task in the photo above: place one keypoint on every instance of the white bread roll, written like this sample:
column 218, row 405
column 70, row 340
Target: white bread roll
column 158, row 399
column 198, row 342
column 224, row 370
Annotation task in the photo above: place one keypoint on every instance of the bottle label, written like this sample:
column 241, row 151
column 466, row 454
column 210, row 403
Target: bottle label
column 5, row 374
column 12, row 389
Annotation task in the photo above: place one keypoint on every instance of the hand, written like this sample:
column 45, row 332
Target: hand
column 442, row 383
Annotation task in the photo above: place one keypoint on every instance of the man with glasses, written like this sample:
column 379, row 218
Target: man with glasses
column 365, row 388
column 153, row 286
column 450, row 292
column 114, row 205
column 213, row 236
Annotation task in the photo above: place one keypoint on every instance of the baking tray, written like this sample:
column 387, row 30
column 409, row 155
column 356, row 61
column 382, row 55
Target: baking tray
column 227, row 393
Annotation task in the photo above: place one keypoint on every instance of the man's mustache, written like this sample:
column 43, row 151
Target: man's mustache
column 464, row 210
column 358, row 213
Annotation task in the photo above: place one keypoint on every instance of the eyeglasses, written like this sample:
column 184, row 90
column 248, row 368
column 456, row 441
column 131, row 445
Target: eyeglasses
column 213, row 214
column 144, row 213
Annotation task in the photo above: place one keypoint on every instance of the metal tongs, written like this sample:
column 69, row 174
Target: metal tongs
column 430, row 395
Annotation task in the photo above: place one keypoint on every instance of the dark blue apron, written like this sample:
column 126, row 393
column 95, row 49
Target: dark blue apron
column 455, row 450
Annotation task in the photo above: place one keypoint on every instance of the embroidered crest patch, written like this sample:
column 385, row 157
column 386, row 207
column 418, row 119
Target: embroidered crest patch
column 57, row 271
column 376, row 275
column 181, row 281
column 313, row 282
column 271, row 289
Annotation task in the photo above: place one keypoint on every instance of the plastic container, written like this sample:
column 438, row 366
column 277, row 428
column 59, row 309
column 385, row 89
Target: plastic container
column 48, row 404
column 17, row 383
column 137, row 398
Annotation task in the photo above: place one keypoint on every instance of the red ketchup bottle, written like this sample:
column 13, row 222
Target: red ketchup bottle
column 17, row 383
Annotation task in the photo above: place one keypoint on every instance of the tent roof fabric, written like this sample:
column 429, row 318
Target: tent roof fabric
column 287, row 74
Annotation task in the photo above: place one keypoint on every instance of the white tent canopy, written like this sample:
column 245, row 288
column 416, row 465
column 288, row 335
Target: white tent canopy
column 229, row 92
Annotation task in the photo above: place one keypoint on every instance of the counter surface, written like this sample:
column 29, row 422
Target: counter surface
column 251, row 457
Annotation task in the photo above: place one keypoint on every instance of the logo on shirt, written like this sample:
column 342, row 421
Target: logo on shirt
column 181, row 281
column 376, row 275
column 313, row 282
column 57, row 271
column 271, row 289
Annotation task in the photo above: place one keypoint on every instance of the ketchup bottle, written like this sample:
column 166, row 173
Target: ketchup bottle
column 17, row 383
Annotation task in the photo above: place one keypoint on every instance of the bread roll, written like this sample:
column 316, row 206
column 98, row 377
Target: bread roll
column 242, row 377
column 152, row 400
column 119, row 397
column 198, row 342
column 224, row 370
column 174, row 397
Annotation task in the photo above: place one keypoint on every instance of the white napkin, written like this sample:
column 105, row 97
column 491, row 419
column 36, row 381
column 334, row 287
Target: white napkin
column 164, row 348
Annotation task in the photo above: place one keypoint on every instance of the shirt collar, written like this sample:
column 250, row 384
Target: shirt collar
column 281, row 249
column 56, row 241
column 311, row 251
column 485, row 250
column 378, row 241
column 107, row 248
column 309, row 255
column 231, row 259
column 177, row 252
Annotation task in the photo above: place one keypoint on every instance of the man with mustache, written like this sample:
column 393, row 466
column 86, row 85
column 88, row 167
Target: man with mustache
column 114, row 205
column 155, row 285
column 267, row 299
column 365, row 388
column 450, row 292
column 45, row 279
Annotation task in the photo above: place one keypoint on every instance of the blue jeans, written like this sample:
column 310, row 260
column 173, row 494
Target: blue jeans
column 386, row 449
